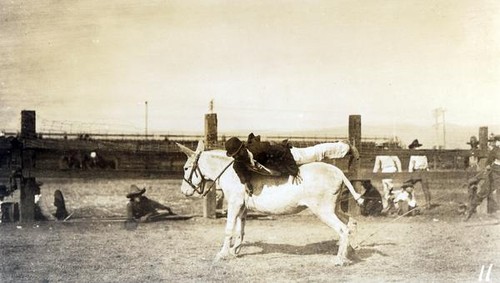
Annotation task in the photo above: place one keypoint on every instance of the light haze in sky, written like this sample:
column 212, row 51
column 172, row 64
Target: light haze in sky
column 268, row 65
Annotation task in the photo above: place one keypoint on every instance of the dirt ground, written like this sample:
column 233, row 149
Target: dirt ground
column 94, row 246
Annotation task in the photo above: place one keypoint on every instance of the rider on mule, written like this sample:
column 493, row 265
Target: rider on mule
column 261, row 157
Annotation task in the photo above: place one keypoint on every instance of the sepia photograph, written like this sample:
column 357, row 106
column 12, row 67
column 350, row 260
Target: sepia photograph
column 249, row 141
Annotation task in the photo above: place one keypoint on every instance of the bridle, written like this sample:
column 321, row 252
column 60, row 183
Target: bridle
column 195, row 169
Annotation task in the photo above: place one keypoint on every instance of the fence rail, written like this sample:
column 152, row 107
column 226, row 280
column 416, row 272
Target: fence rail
column 160, row 153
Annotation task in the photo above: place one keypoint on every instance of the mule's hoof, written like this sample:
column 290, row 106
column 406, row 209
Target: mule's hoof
column 360, row 201
column 234, row 252
column 221, row 256
column 341, row 262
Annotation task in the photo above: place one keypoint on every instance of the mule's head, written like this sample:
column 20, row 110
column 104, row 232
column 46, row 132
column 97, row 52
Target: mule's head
column 193, row 178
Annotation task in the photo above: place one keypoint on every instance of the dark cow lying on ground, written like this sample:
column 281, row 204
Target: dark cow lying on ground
column 83, row 161
column 97, row 160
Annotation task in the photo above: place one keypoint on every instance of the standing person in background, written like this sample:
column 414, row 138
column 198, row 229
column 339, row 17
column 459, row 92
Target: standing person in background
column 419, row 164
column 472, row 163
column 387, row 164
column 486, row 182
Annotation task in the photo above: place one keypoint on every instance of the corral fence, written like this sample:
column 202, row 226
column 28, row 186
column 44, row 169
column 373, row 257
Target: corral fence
column 159, row 154
column 133, row 155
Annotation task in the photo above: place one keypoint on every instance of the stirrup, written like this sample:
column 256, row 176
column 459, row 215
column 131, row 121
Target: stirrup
column 360, row 200
column 249, row 192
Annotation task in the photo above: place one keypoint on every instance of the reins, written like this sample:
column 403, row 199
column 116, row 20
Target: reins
column 216, row 178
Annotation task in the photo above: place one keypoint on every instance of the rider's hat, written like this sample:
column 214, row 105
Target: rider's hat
column 135, row 191
column 495, row 138
column 233, row 145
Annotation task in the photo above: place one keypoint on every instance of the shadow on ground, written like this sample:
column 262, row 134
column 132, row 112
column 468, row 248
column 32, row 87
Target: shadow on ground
column 321, row 248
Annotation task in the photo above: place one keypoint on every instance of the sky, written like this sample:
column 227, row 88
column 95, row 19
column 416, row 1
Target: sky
column 267, row 65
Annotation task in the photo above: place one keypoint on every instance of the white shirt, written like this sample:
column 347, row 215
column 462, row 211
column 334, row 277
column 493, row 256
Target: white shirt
column 388, row 164
column 418, row 162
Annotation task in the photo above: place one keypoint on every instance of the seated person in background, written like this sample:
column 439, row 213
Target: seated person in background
column 142, row 209
column 404, row 195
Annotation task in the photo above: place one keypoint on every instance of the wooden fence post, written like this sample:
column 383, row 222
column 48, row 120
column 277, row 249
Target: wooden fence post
column 483, row 146
column 483, row 138
column 28, row 185
column 354, row 171
column 209, row 202
column 27, row 200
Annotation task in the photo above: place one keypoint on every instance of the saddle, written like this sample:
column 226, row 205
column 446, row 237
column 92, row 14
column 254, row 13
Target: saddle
column 271, row 159
column 262, row 170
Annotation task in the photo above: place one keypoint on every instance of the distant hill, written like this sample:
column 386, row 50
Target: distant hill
column 457, row 136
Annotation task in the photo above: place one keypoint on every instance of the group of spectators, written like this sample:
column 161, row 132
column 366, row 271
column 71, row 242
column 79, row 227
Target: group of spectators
column 392, row 196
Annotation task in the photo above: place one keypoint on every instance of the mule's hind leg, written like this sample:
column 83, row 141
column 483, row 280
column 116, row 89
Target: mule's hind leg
column 326, row 214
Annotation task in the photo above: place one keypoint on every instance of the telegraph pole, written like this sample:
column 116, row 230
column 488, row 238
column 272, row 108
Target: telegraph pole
column 439, row 113
column 146, row 120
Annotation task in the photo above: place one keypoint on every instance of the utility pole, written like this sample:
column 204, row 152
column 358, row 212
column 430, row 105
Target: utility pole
column 444, row 128
column 146, row 120
column 439, row 113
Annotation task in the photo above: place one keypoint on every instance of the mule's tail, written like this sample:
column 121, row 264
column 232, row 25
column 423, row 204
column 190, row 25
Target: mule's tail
column 356, row 195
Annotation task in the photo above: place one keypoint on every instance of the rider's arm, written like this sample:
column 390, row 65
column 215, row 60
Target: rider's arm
column 242, row 171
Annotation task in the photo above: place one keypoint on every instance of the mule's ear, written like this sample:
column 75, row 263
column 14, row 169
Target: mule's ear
column 185, row 149
column 201, row 146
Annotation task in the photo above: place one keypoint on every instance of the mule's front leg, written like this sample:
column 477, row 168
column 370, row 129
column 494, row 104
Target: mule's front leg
column 240, row 231
column 233, row 210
